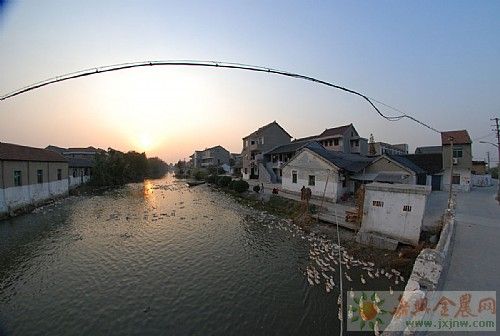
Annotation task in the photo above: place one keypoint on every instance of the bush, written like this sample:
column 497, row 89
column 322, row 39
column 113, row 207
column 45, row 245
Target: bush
column 224, row 181
column 256, row 188
column 200, row 175
column 212, row 179
column 239, row 186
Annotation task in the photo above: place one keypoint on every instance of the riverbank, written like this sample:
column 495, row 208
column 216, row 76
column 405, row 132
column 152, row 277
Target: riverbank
column 290, row 210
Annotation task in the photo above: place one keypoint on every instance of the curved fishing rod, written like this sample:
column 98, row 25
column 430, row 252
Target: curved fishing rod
column 227, row 65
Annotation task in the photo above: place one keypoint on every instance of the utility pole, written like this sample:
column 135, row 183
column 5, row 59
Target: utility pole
column 488, row 158
column 451, row 172
column 497, row 130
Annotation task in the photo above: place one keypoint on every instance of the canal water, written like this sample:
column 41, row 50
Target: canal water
column 160, row 258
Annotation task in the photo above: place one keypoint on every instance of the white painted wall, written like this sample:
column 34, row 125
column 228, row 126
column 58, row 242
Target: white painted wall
column 465, row 179
column 76, row 181
column 481, row 180
column 16, row 197
column 307, row 163
column 390, row 219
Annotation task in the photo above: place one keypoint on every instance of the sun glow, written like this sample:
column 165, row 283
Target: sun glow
column 145, row 142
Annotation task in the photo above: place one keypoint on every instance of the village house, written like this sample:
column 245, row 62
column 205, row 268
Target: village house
column 255, row 145
column 216, row 156
column 236, row 164
column 324, row 171
column 343, row 139
column 392, row 169
column 29, row 176
column 432, row 164
column 81, row 161
column 460, row 159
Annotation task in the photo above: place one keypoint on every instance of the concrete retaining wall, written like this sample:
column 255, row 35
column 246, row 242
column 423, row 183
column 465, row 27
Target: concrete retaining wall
column 15, row 198
column 428, row 273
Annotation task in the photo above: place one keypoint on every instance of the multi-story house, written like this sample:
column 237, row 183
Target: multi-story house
column 29, row 176
column 344, row 139
column 216, row 156
column 460, row 158
column 255, row 145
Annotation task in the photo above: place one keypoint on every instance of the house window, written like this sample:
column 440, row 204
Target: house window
column 312, row 180
column 262, row 140
column 356, row 143
column 294, row 176
column 39, row 176
column 407, row 208
column 457, row 152
column 246, row 170
column 17, row 178
column 252, row 142
column 335, row 142
column 59, row 174
column 74, row 172
column 330, row 143
column 455, row 179
column 378, row 204
column 344, row 183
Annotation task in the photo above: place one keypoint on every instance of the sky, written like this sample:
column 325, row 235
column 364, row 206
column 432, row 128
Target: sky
column 438, row 61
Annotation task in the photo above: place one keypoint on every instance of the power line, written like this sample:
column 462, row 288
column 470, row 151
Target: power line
column 227, row 65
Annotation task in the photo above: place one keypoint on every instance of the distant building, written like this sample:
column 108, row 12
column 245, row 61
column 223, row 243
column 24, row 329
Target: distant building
column 236, row 164
column 255, row 145
column 216, row 156
column 429, row 150
column 381, row 148
column 81, row 161
column 461, row 159
column 29, row 176
column 478, row 168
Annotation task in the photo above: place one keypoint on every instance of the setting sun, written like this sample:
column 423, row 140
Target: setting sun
column 145, row 142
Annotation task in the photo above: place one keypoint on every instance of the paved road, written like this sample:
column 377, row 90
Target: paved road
column 475, row 259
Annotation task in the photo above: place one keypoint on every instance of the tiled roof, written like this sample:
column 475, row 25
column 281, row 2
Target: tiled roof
column 431, row 163
column 14, row 152
column 460, row 137
column 264, row 127
column 288, row 148
column 350, row 162
column 334, row 131
column 406, row 163
column 429, row 150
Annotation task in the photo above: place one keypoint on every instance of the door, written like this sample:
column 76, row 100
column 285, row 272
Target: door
column 436, row 182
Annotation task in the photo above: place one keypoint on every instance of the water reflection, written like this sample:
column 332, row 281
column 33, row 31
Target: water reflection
column 158, row 258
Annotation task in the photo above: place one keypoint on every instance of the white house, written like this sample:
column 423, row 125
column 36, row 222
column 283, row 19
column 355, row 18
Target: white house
column 321, row 170
column 394, row 210
column 29, row 176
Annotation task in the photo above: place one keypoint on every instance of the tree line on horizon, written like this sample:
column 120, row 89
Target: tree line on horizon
column 115, row 168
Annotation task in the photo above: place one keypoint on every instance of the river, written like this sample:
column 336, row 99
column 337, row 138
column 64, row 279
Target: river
column 161, row 258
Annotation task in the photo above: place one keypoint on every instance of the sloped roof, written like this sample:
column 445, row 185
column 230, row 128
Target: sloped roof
column 407, row 163
column 350, row 162
column 429, row 150
column 13, row 152
column 431, row 163
column 266, row 126
column 288, row 148
column 80, row 163
column 340, row 130
column 460, row 137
